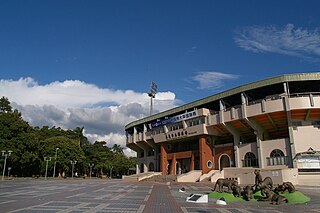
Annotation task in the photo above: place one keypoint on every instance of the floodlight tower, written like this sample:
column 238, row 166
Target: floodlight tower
column 152, row 94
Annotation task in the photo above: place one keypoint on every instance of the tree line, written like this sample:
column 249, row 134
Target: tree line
column 31, row 145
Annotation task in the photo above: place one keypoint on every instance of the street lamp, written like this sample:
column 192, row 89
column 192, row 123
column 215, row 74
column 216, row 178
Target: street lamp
column 73, row 162
column 46, row 159
column 91, row 165
column 5, row 154
column 55, row 163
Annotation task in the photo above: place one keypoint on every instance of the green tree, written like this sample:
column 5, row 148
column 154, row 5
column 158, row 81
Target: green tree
column 5, row 105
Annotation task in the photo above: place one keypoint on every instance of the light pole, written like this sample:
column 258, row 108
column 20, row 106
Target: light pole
column 73, row 162
column 152, row 94
column 46, row 159
column 55, row 163
column 5, row 154
column 91, row 165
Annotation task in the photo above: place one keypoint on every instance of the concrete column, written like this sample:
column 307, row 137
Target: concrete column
column 165, row 129
column 146, row 168
column 236, row 142
column 163, row 160
column 205, row 153
column 134, row 136
column 244, row 101
column 261, row 158
column 137, row 169
column 258, row 131
column 291, row 150
column 222, row 108
column 192, row 162
column 184, row 124
column 173, row 166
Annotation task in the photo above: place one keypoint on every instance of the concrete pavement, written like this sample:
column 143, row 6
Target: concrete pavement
column 95, row 195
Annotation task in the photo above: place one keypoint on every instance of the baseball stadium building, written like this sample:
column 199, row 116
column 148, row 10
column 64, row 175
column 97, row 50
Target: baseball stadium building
column 269, row 123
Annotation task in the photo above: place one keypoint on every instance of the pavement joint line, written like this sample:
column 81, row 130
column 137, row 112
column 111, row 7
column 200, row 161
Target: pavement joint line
column 73, row 208
column 184, row 210
column 76, row 189
column 99, row 190
column 118, row 197
column 243, row 211
column 97, row 208
column 8, row 201
column 141, row 208
column 146, row 198
column 10, row 194
column 223, row 210
column 150, row 191
column 77, row 195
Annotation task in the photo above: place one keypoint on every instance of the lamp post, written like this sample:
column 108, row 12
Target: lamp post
column 55, row 163
column 73, row 162
column 47, row 159
column 5, row 154
column 91, row 165
column 152, row 94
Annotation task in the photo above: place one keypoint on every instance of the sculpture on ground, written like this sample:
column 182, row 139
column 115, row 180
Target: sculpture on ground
column 221, row 182
column 274, row 198
column 286, row 186
column 236, row 190
column 248, row 192
column 267, row 183
column 258, row 179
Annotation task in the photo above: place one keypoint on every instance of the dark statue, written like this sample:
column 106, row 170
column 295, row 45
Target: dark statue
column 248, row 192
column 265, row 185
column 236, row 190
column 286, row 186
column 274, row 198
column 258, row 178
column 221, row 182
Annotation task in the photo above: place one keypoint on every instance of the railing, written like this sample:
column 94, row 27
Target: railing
column 250, row 163
column 275, row 161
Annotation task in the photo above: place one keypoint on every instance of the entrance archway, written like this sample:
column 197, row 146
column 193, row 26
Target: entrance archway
column 224, row 162
column 141, row 168
column 151, row 167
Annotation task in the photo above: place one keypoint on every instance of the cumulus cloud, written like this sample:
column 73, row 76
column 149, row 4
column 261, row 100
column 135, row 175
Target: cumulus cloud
column 288, row 40
column 212, row 80
column 111, row 139
column 102, row 112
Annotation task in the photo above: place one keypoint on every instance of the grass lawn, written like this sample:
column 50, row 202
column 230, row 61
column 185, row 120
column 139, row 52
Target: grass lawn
column 296, row 197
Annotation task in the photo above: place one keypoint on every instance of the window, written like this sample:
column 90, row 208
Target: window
column 277, row 158
column 250, row 160
column 276, row 153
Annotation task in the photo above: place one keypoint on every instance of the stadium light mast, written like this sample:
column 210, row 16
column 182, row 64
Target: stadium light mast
column 152, row 94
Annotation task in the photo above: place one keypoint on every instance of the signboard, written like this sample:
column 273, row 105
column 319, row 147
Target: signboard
column 174, row 119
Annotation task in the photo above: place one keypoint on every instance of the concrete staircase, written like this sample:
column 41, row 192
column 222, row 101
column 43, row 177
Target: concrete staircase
column 162, row 178
column 141, row 176
column 192, row 176
column 207, row 177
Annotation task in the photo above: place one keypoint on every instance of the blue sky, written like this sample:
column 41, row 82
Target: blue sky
column 107, row 49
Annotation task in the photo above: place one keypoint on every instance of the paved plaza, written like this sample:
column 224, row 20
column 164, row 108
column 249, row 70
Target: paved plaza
column 83, row 195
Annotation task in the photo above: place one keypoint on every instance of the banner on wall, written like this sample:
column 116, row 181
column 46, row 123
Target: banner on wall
column 174, row 119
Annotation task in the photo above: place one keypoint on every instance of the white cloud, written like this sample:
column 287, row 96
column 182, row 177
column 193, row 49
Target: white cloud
column 102, row 112
column 112, row 139
column 212, row 80
column 72, row 94
column 288, row 40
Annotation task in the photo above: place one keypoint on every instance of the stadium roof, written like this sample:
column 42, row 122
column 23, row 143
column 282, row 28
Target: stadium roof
column 254, row 85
